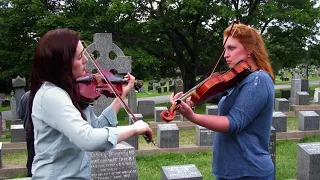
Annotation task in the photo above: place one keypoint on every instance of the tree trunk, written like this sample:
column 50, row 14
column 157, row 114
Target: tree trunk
column 189, row 78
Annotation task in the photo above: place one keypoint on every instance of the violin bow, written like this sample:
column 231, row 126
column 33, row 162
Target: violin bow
column 214, row 66
column 222, row 50
column 127, row 109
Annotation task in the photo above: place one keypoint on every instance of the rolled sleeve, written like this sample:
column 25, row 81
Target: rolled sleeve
column 238, row 120
column 113, row 135
column 110, row 116
column 250, row 101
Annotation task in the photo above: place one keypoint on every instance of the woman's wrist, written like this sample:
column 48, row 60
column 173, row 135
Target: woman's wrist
column 134, row 129
column 191, row 117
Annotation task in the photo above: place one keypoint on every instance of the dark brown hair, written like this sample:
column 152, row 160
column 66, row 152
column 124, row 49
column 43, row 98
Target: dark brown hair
column 52, row 62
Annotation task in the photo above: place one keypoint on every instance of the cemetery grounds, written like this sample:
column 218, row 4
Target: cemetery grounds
column 149, row 166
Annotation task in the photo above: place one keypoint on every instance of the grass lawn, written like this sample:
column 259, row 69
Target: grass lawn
column 149, row 167
column 6, row 108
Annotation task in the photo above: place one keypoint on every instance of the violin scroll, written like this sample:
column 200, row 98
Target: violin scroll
column 168, row 115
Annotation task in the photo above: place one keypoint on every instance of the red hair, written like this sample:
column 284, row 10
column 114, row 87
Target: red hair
column 252, row 41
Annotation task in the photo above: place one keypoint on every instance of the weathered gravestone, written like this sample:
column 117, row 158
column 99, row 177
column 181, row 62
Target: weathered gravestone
column 104, row 48
column 18, row 84
column 102, row 43
column 142, row 90
column 132, row 101
column 18, row 134
column 308, row 160
column 272, row 147
column 138, row 117
column 212, row 110
column 281, row 104
column 146, row 108
column 168, row 136
column 178, row 85
column 204, row 136
column 302, row 98
column 13, row 105
column 116, row 164
column 298, row 85
column 308, row 120
column 183, row 172
column 279, row 121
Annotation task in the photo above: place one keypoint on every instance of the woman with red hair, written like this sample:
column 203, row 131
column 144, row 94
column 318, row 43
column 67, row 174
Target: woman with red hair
column 243, row 123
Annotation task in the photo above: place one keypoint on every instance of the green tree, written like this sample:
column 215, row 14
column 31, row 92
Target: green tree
column 188, row 33
column 293, row 23
column 24, row 22
column 159, row 35
column 17, row 34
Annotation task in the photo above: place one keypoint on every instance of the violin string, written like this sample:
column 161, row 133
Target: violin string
column 189, row 92
column 126, row 108
column 89, row 54
column 224, row 49
column 212, row 72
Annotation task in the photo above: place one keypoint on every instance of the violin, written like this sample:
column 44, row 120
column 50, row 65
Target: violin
column 110, row 90
column 209, row 87
column 92, row 86
column 214, row 84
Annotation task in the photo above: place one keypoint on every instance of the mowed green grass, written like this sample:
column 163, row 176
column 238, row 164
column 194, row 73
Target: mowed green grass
column 149, row 167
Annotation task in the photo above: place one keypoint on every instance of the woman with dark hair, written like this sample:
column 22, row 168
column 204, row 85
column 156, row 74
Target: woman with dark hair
column 63, row 131
column 243, row 123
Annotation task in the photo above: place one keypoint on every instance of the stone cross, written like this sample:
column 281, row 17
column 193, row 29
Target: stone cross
column 110, row 56
column 104, row 48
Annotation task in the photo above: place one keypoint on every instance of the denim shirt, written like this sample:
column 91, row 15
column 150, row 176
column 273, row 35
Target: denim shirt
column 244, row 149
column 62, row 137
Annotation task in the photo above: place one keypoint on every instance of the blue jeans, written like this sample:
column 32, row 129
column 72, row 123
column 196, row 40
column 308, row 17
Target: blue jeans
column 269, row 177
